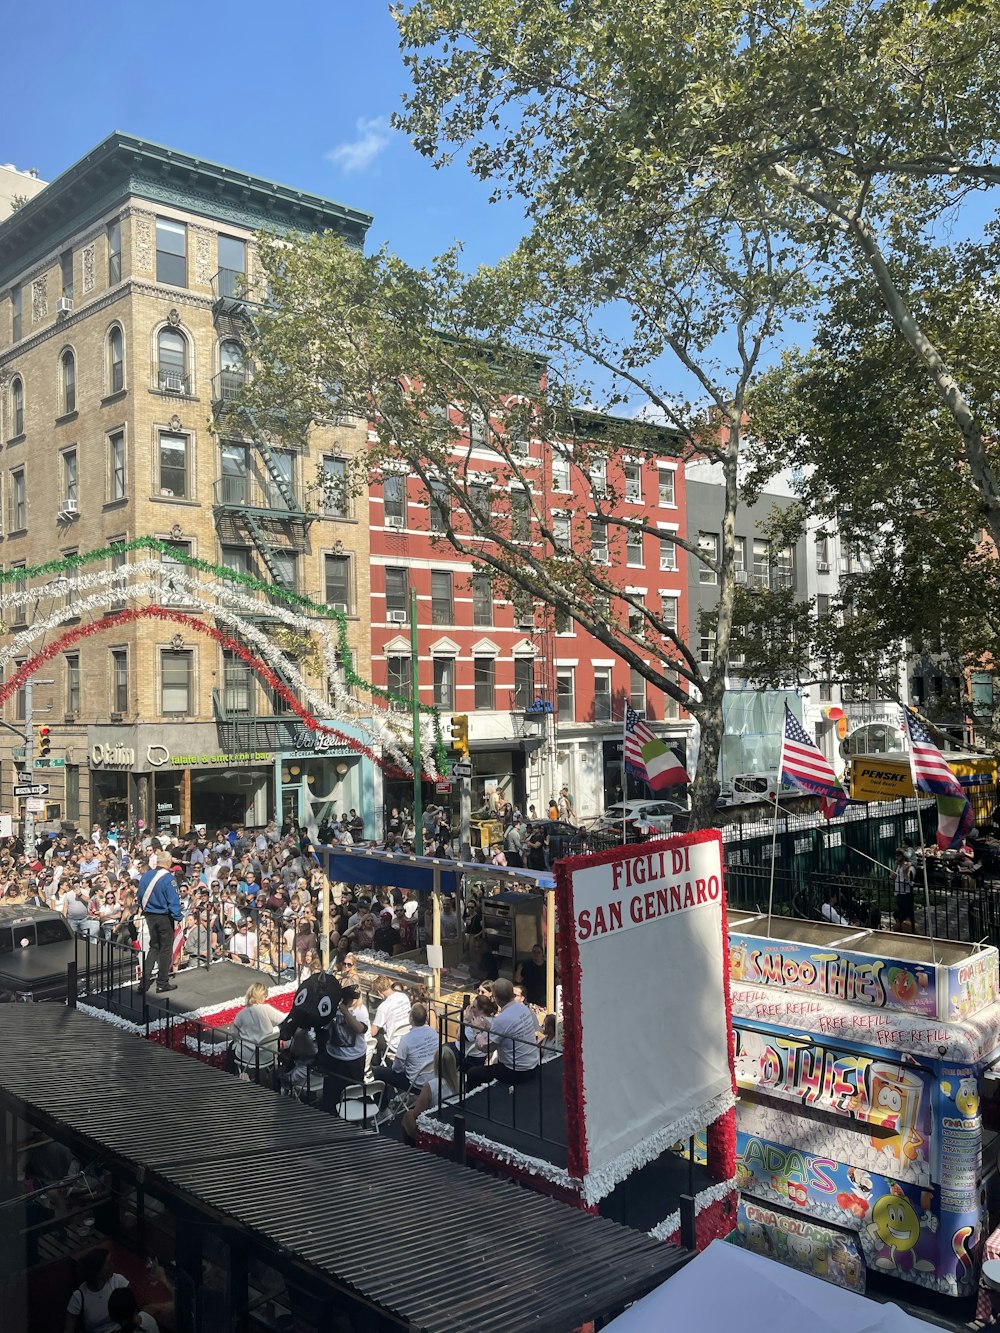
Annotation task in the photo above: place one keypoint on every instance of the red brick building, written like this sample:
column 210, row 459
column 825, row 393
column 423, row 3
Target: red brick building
column 482, row 655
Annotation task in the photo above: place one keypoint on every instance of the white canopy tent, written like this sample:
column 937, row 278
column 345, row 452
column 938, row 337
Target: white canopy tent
column 727, row 1288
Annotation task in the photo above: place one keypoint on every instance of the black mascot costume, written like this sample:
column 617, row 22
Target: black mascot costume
column 315, row 1007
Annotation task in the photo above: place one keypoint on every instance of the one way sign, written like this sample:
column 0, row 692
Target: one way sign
column 35, row 789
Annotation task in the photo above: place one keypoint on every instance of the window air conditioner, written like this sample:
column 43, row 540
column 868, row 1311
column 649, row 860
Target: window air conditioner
column 823, row 566
column 394, row 521
column 339, row 606
column 69, row 508
column 396, row 617
column 64, row 305
column 742, row 576
column 172, row 383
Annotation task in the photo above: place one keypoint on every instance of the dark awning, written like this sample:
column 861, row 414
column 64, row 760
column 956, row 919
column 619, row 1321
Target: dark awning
column 314, row 1192
column 400, row 870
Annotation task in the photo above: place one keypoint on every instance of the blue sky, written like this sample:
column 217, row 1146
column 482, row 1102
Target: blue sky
column 299, row 93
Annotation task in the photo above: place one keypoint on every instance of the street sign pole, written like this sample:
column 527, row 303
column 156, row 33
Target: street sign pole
column 465, row 816
column 29, row 767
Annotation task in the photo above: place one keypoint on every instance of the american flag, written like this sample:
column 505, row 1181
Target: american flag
column 804, row 765
column 932, row 774
column 637, row 734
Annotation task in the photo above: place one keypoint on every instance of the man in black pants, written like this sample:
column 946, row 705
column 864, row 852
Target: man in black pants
column 161, row 906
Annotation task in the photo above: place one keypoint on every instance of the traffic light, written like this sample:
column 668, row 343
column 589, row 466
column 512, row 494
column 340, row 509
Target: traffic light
column 460, row 734
column 44, row 741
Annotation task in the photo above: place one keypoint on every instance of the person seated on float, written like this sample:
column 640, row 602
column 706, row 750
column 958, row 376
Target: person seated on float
column 257, row 1021
column 513, row 1038
column 442, row 1086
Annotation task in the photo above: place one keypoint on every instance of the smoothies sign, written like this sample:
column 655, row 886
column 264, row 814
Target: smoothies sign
column 880, row 983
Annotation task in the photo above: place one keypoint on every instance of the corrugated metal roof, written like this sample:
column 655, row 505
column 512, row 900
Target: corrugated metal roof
column 492, row 1257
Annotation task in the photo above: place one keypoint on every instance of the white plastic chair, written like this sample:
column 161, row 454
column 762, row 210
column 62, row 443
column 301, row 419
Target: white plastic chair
column 359, row 1104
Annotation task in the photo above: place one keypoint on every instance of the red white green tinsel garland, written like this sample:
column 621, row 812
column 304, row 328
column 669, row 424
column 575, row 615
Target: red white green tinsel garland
column 234, row 598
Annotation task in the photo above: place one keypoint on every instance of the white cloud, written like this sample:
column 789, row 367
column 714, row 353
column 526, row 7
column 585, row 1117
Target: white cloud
column 358, row 154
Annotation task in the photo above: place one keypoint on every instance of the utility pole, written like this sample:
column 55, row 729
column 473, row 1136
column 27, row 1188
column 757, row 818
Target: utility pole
column 418, row 794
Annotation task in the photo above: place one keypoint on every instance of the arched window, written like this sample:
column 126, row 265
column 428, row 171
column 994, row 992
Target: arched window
column 116, row 359
column 172, row 361
column 68, row 372
column 232, row 371
column 17, row 406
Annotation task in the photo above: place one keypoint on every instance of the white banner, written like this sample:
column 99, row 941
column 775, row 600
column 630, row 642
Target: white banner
column 652, row 1015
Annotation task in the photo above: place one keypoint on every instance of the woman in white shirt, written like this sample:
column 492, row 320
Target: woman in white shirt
column 256, row 1023
column 441, row 1087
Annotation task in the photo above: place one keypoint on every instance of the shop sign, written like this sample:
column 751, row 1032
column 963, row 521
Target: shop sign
column 880, row 983
column 318, row 742
column 821, row 1251
column 112, row 756
column 220, row 760
column 878, row 778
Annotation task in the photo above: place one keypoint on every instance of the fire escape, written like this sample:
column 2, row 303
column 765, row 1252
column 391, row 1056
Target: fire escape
column 257, row 508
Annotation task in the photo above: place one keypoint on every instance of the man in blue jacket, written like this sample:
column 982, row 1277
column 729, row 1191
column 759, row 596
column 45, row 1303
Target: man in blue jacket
column 161, row 906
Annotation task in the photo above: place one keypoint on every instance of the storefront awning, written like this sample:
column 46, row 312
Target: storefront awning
column 370, row 865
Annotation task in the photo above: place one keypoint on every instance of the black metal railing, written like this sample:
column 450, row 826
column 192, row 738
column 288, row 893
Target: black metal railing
column 227, row 385
column 170, row 380
column 245, row 491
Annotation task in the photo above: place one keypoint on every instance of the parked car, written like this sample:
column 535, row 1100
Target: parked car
column 36, row 947
column 659, row 814
column 564, row 839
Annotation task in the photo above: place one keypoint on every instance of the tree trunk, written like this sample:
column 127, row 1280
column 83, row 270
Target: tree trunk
column 705, row 788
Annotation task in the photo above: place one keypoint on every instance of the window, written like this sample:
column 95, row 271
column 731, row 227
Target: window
column 666, row 487
column 562, row 620
column 560, row 470
column 477, row 426
column 232, row 259
column 598, row 541
column 172, row 361
column 706, row 648
column 66, row 273
column 562, row 533
column 671, row 708
column 825, row 692
column 232, row 370
column 599, row 477
column 67, row 377
column 602, row 694
column 482, row 599
column 565, row 694
column 442, row 611
column 339, row 582
column 823, row 554
column 19, row 708
column 73, row 683
column 18, row 519
column 118, row 561
column 237, row 684
column 394, row 494
column 398, row 679
column 397, row 591
column 480, row 504
column 484, row 675
column 69, row 596
column 233, row 486
column 440, row 506
column 176, row 669
column 823, row 604
column 524, row 682
column 633, row 483
column 784, row 567
column 17, row 406
column 237, row 559
column 740, row 558
column 72, row 772
column 669, row 613
column 444, row 682
column 114, row 253
column 19, row 588
column 708, row 546
column 279, row 491
column 173, row 592
column 173, row 465
column 636, row 618
column 70, row 489
column 15, row 314
column 637, row 692
column 633, row 547
column 761, row 572
column 520, row 515
column 116, row 465
column 524, row 609
column 668, row 554
column 336, row 500
column 116, row 360
column 171, row 253
column 286, row 571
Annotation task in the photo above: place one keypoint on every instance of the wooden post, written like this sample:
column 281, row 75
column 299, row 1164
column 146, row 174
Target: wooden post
column 436, row 927
column 185, row 810
column 550, row 951
column 324, row 937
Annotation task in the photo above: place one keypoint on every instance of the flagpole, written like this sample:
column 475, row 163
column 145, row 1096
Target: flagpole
column 923, row 848
column 774, row 831
column 624, row 788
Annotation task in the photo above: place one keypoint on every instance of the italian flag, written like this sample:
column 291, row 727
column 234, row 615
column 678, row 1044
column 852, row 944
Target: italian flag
column 663, row 768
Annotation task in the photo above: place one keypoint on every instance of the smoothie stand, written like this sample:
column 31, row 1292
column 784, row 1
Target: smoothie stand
column 865, row 1125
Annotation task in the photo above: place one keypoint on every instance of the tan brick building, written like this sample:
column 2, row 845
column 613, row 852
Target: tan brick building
column 122, row 296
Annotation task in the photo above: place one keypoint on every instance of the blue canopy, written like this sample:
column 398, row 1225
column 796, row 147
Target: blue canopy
column 401, row 870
